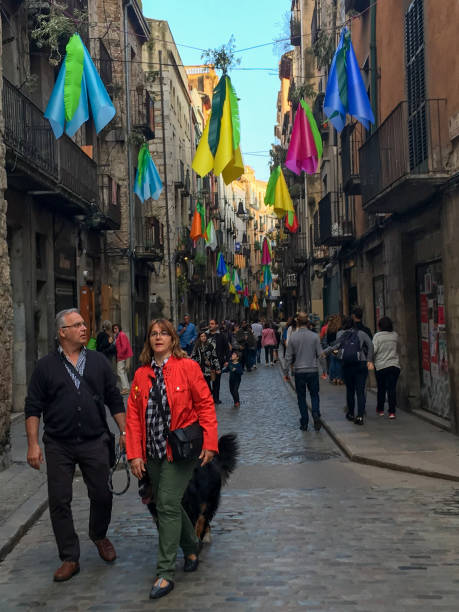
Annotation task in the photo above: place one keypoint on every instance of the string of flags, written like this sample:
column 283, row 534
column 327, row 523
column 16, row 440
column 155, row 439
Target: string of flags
column 79, row 89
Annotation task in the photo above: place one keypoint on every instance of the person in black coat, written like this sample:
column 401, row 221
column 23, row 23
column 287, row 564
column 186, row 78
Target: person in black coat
column 70, row 388
column 220, row 342
column 104, row 341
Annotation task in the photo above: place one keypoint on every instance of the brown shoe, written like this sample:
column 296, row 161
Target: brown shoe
column 66, row 571
column 106, row 550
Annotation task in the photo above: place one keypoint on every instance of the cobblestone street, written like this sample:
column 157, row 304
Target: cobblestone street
column 299, row 528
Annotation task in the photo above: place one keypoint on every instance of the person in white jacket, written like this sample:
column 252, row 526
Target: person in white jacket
column 387, row 365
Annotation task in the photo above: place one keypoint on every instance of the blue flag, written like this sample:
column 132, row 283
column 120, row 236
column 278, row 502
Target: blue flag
column 92, row 88
column 345, row 88
column 148, row 184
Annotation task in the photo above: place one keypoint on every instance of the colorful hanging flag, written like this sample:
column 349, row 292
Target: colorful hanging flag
column 198, row 224
column 78, row 81
column 346, row 91
column 211, row 236
column 221, row 265
column 266, row 251
column 264, row 303
column 267, row 276
column 235, row 280
column 246, row 302
column 305, row 148
column 277, row 194
column 147, row 181
column 254, row 305
column 236, row 299
column 218, row 149
column 291, row 222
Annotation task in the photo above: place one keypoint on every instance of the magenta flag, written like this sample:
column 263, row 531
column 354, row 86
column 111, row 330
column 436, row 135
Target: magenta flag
column 266, row 253
column 303, row 153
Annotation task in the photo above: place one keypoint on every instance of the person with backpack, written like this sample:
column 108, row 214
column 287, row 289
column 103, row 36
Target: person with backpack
column 354, row 349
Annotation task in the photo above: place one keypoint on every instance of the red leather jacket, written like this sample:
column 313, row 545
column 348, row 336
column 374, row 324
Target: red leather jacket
column 189, row 400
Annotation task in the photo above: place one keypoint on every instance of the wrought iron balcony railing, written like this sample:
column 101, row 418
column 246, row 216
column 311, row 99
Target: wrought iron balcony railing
column 110, row 201
column 58, row 164
column 403, row 162
column 143, row 113
column 149, row 239
column 336, row 219
column 350, row 145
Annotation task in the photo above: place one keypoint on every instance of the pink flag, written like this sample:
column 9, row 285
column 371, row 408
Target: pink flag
column 302, row 151
column 266, row 253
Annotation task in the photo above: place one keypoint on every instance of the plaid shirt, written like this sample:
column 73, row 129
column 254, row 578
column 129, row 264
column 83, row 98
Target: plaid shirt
column 80, row 365
column 156, row 435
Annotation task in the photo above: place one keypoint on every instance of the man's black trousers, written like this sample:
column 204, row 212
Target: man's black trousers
column 93, row 459
column 216, row 387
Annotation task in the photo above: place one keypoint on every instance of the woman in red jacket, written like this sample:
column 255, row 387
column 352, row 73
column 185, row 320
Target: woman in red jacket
column 185, row 399
column 123, row 353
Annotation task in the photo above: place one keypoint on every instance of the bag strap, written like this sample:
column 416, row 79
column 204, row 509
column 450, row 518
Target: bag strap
column 120, row 456
column 82, row 379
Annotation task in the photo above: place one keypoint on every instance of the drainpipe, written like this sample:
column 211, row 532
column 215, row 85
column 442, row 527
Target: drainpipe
column 166, row 189
column 131, row 251
column 373, row 66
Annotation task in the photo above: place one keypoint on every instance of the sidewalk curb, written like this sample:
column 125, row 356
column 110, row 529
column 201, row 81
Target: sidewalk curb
column 23, row 518
column 356, row 458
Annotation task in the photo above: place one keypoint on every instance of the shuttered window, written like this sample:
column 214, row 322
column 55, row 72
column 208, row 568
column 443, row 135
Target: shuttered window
column 415, row 71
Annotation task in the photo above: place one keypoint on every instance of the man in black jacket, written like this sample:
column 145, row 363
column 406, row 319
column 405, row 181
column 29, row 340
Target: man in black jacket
column 222, row 349
column 70, row 387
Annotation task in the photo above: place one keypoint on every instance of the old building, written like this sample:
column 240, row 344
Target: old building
column 6, row 315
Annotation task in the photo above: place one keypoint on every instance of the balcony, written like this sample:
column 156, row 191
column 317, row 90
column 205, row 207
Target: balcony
column 336, row 219
column 319, row 115
column 149, row 239
column 185, row 246
column 350, row 145
column 109, row 202
column 299, row 246
column 43, row 165
column 39, row 7
column 403, row 163
column 142, row 113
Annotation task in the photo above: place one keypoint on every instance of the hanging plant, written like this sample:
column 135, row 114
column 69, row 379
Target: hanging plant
column 222, row 58
column 182, row 285
column 200, row 260
column 54, row 28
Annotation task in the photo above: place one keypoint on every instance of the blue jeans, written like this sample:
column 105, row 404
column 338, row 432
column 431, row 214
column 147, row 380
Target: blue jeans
column 311, row 381
column 355, row 377
column 336, row 370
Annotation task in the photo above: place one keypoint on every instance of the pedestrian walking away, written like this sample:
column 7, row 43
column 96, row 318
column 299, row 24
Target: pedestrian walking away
column 105, row 342
column 188, row 334
column 357, row 316
column 335, row 371
column 304, row 349
column 123, row 353
column 235, row 370
column 354, row 349
column 257, row 329
column 268, row 342
column 387, row 365
column 69, row 387
column 168, row 393
column 205, row 354
column 221, row 346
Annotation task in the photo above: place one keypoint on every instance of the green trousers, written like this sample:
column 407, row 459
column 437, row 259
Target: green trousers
column 169, row 482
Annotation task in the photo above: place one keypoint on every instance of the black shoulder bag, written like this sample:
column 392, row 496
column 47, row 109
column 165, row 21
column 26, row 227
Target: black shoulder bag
column 101, row 407
column 186, row 442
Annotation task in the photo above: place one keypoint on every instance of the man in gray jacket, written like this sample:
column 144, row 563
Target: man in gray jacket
column 303, row 351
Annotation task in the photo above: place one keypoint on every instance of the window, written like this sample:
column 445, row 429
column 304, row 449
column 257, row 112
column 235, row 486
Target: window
column 415, row 74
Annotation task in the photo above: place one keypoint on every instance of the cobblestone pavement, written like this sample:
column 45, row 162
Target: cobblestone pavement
column 299, row 528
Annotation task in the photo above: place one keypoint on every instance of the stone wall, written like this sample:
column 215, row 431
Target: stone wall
column 5, row 304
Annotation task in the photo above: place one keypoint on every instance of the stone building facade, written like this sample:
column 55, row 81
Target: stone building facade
column 6, row 315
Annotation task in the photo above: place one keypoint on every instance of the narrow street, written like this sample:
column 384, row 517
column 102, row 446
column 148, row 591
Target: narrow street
column 299, row 528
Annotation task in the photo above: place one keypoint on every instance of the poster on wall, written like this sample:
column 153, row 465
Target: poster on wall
column 424, row 316
column 275, row 287
column 425, row 355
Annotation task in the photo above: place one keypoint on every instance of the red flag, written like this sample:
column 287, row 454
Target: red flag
column 291, row 222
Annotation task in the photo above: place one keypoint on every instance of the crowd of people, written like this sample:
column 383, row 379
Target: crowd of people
column 173, row 397
column 344, row 350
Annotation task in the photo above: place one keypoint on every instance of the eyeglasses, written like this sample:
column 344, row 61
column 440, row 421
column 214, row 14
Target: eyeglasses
column 75, row 325
column 163, row 333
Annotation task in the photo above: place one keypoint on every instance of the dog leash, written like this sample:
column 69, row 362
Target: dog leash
column 120, row 455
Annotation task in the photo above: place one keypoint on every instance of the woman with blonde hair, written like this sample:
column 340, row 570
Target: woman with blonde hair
column 168, row 393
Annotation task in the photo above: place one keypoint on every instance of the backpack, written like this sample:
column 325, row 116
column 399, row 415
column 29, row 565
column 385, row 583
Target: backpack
column 350, row 347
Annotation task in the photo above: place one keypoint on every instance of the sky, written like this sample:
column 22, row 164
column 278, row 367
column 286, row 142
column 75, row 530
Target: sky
column 209, row 24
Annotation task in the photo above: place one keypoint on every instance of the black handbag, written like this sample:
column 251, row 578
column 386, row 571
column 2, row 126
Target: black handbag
column 185, row 442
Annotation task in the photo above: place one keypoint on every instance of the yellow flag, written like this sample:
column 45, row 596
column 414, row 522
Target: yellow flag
column 283, row 202
column 227, row 162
